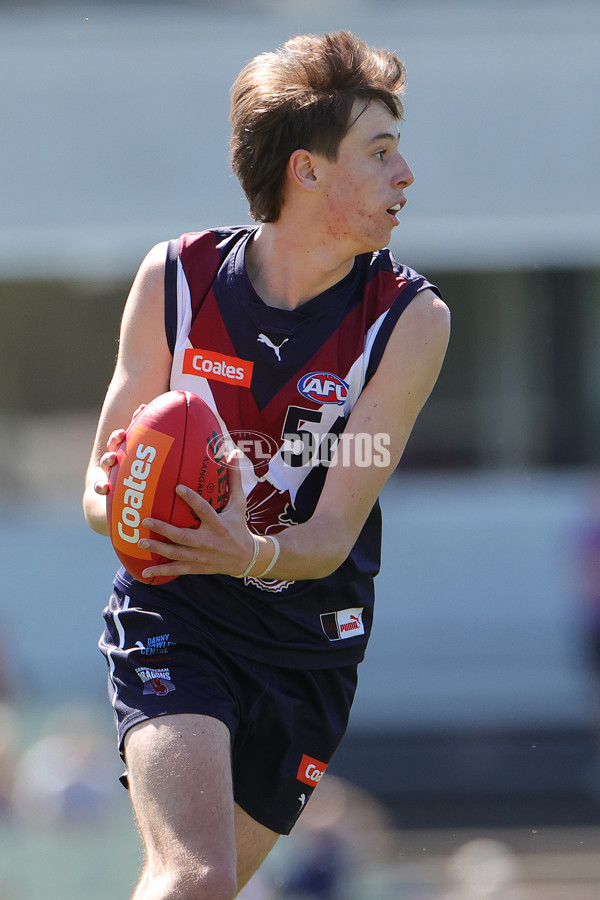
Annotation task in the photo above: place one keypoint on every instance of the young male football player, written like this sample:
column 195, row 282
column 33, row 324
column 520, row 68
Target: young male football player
column 232, row 684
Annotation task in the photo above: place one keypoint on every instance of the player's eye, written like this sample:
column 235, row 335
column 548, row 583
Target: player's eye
column 380, row 154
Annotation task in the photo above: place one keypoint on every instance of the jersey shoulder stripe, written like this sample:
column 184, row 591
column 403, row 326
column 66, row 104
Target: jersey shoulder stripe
column 195, row 257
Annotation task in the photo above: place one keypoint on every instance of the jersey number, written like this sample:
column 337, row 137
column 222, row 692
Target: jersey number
column 307, row 443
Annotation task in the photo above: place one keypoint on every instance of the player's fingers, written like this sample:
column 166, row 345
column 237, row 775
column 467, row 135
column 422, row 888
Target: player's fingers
column 175, row 568
column 108, row 460
column 202, row 510
column 116, row 438
column 171, row 570
column 236, row 496
column 174, row 548
column 141, row 407
column 201, row 507
column 179, row 563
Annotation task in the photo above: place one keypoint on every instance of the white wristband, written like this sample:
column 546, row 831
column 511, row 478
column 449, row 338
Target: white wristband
column 253, row 560
column 275, row 555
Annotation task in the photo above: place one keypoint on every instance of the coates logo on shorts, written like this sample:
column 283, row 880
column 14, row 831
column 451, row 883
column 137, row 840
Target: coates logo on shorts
column 343, row 624
column 323, row 387
column 310, row 771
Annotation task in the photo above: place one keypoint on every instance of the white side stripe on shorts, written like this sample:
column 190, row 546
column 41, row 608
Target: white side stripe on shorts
column 120, row 646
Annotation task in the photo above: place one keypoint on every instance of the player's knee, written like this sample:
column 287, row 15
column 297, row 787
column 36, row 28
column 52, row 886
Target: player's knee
column 212, row 882
column 217, row 884
column 193, row 883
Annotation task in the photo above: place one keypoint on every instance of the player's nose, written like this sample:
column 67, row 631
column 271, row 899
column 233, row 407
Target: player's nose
column 404, row 175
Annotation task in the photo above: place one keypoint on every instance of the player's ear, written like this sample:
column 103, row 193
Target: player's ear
column 301, row 169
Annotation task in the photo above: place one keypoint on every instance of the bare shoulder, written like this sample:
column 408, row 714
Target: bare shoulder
column 147, row 291
column 421, row 333
column 143, row 350
column 427, row 311
column 156, row 256
column 152, row 268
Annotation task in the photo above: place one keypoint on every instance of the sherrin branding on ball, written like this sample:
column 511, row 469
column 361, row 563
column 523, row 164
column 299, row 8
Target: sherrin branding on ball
column 175, row 439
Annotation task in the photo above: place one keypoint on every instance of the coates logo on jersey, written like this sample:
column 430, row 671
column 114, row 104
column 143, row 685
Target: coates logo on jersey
column 218, row 366
column 323, row 387
column 343, row 624
column 310, row 771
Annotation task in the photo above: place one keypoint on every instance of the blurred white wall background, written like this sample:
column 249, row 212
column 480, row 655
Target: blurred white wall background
column 115, row 126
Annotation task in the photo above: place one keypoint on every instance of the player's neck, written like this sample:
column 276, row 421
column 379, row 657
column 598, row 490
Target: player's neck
column 287, row 270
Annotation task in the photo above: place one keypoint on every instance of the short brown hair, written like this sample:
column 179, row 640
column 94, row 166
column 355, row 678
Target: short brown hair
column 301, row 97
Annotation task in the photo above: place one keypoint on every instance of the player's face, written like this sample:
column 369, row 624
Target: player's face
column 364, row 187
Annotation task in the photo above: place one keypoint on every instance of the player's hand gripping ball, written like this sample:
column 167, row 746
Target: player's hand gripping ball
column 175, row 439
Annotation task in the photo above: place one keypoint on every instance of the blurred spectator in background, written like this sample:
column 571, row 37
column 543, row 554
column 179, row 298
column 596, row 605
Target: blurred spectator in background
column 483, row 869
column 587, row 554
column 67, row 777
column 321, row 870
column 587, row 587
column 9, row 727
column 343, row 832
column 8, row 679
column 8, row 752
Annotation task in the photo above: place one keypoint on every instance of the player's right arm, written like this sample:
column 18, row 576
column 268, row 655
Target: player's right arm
column 142, row 372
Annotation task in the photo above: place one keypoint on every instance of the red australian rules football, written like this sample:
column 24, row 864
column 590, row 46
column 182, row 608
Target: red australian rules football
column 176, row 439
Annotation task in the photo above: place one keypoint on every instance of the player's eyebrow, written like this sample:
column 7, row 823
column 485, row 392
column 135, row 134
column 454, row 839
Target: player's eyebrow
column 385, row 135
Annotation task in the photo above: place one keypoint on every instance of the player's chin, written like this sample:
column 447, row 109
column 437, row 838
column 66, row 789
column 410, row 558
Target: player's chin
column 382, row 236
column 378, row 242
column 368, row 241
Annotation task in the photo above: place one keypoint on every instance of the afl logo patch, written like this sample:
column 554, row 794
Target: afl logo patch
column 323, row 387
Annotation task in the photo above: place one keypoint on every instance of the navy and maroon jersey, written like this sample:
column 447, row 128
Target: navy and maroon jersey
column 283, row 384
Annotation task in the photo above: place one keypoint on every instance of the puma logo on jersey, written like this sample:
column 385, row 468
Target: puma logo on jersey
column 263, row 339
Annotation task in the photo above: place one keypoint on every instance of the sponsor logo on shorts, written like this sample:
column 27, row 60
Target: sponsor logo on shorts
column 323, row 387
column 158, row 686
column 155, row 681
column 218, row 366
column 310, row 771
column 343, row 624
column 156, row 646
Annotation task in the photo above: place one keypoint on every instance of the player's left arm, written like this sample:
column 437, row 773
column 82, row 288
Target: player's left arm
column 386, row 411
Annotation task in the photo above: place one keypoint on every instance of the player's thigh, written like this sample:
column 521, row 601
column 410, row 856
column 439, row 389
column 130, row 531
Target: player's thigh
column 254, row 843
column 179, row 775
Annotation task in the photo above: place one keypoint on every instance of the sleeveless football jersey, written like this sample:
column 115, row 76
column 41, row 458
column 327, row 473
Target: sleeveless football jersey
column 282, row 384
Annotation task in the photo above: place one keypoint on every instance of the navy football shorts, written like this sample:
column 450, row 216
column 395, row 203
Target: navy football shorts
column 285, row 724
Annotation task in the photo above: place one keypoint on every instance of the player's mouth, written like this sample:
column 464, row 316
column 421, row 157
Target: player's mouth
column 393, row 211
